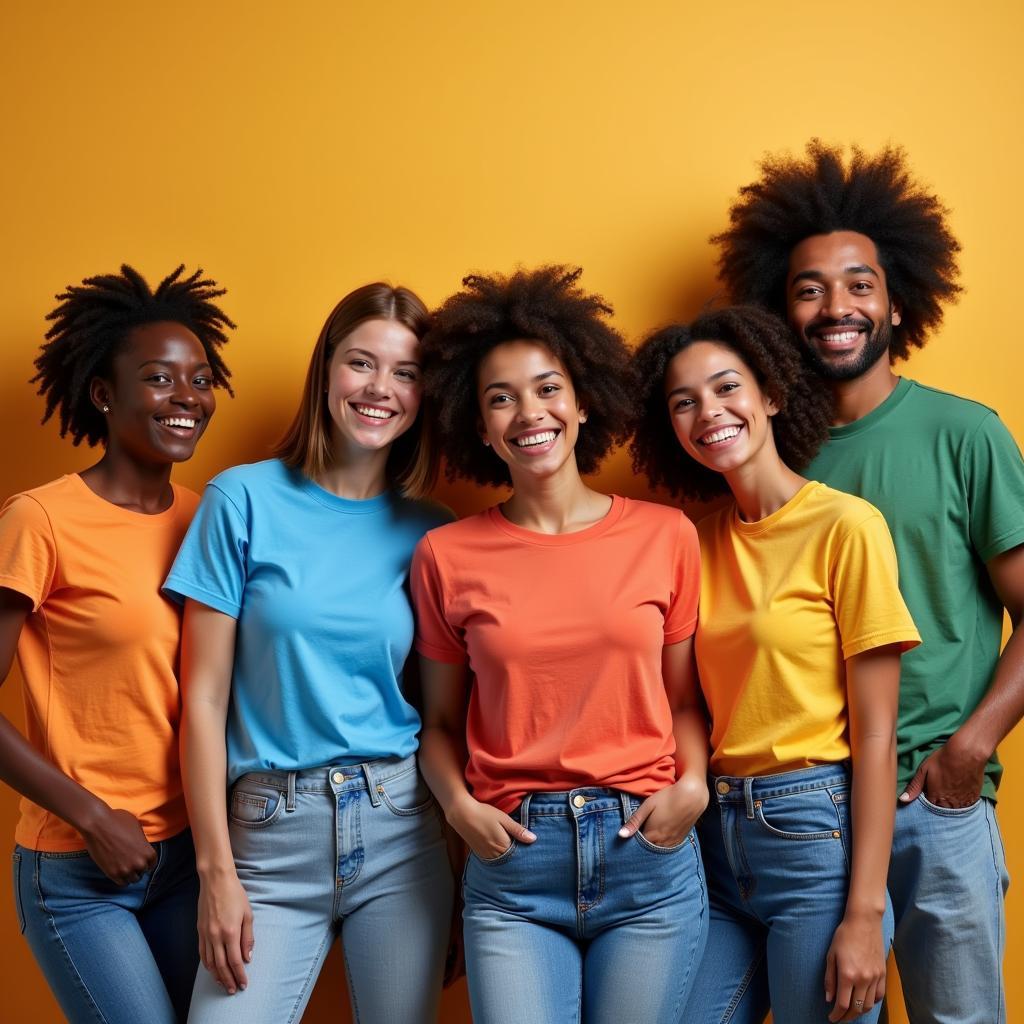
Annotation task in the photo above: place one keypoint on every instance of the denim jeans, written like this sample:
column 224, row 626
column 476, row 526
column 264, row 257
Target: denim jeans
column 355, row 851
column 581, row 925
column 112, row 954
column 947, row 880
column 777, row 855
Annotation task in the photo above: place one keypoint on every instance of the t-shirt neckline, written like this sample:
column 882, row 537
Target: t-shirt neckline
column 558, row 540
column 351, row 506
column 879, row 413
column 142, row 518
column 742, row 526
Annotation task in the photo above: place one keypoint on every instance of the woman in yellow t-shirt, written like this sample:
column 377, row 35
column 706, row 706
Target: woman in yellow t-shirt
column 800, row 632
column 104, row 871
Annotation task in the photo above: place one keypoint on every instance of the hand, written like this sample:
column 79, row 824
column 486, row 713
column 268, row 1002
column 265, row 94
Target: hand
column 670, row 813
column 116, row 842
column 488, row 832
column 951, row 776
column 225, row 931
column 855, row 967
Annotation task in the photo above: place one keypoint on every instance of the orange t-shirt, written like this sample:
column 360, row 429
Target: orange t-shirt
column 99, row 651
column 564, row 635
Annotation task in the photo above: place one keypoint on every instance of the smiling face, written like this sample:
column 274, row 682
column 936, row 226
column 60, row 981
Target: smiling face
column 838, row 303
column 528, row 408
column 159, row 394
column 374, row 386
column 719, row 413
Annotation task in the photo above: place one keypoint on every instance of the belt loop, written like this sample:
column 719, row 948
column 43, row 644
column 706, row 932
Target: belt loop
column 371, row 786
column 627, row 806
column 748, row 796
column 289, row 804
column 524, row 811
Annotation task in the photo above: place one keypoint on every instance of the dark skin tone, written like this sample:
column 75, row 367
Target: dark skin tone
column 158, row 399
column 835, row 279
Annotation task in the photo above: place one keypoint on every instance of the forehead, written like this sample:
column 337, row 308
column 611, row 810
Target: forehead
column 518, row 360
column 834, row 254
column 164, row 341
column 383, row 336
column 698, row 361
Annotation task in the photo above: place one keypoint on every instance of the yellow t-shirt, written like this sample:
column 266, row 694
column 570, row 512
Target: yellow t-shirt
column 783, row 603
column 99, row 651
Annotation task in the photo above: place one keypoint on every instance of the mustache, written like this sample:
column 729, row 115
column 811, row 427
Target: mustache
column 820, row 322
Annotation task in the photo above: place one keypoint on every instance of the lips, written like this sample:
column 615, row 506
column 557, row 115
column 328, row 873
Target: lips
column 374, row 415
column 535, row 442
column 182, row 426
column 838, row 337
column 720, row 436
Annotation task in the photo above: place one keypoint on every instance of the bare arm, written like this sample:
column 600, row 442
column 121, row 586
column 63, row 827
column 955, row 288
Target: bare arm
column 668, row 815
column 953, row 775
column 856, row 959
column 225, row 918
column 487, row 831
column 113, row 838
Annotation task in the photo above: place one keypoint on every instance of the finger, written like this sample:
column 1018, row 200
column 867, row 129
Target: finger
column 859, row 1004
column 518, row 832
column 636, row 819
column 880, row 989
column 236, row 964
column 916, row 785
column 224, row 973
column 248, row 937
column 830, row 977
column 842, row 1003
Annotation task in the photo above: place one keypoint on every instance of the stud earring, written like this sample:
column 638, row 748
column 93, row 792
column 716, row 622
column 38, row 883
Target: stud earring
column 487, row 443
column 106, row 408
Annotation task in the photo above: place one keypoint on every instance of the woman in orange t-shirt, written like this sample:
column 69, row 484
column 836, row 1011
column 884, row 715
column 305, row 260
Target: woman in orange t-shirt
column 104, row 870
column 574, row 611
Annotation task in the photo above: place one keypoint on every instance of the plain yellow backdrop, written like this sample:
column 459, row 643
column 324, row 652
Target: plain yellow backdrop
column 296, row 151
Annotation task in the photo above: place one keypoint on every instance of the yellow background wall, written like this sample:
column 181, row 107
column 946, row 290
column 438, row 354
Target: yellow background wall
column 296, row 151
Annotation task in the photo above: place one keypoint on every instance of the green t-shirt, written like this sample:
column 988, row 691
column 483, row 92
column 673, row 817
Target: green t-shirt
column 949, row 479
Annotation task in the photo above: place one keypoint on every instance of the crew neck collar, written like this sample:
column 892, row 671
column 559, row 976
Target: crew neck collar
column 879, row 413
column 558, row 540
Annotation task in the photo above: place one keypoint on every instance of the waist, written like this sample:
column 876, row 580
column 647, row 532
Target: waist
column 367, row 775
column 738, row 789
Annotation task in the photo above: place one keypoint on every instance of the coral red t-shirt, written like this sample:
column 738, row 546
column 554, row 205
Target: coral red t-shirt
column 564, row 635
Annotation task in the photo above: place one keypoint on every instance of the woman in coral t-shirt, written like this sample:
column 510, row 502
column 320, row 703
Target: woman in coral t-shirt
column 574, row 612
column 104, row 870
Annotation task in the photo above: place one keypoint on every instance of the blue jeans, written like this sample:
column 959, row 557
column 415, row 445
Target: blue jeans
column 582, row 925
column 355, row 851
column 947, row 880
column 777, row 855
column 112, row 954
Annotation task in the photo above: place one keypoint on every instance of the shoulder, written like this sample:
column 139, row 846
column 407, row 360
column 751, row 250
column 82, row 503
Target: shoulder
column 185, row 499
column 952, row 410
column 714, row 521
column 654, row 515
column 253, row 476
column 40, row 505
column 457, row 532
column 424, row 513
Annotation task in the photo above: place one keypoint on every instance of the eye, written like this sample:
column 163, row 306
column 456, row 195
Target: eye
column 502, row 399
column 862, row 286
column 360, row 364
column 159, row 378
column 549, row 389
column 729, row 385
column 202, row 382
column 808, row 292
column 408, row 375
column 683, row 405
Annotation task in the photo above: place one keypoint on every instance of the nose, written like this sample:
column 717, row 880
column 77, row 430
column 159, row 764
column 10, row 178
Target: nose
column 709, row 411
column 185, row 394
column 530, row 410
column 379, row 384
column 837, row 304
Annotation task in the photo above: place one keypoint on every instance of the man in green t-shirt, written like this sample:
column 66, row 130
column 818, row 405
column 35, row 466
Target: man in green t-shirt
column 860, row 259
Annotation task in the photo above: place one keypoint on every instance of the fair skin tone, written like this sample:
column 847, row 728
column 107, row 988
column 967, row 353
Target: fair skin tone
column 531, row 416
column 372, row 396
column 159, row 399
column 722, row 419
column 833, row 280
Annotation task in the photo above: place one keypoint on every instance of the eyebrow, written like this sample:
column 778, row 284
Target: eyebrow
column 499, row 384
column 714, row 376
column 817, row 275
column 166, row 362
column 364, row 352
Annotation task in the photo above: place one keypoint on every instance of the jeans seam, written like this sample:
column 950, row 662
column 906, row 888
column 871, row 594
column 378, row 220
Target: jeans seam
column 741, row 989
column 1000, row 912
column 698, row 865
column 160, row 848
column 311, row 975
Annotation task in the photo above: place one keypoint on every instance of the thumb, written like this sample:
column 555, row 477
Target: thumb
column 916, row 785
column 636, row 819
column 518, row 832
column 248, row 939
column 830, row 977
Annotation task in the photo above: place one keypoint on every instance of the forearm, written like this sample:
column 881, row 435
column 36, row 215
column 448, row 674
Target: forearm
column 442, row 760
column 691, row 735
column 204, row 776
column 874, row 779
column 24, row 769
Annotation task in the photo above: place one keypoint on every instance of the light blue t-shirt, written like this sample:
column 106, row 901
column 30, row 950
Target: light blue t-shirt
column 318, row 585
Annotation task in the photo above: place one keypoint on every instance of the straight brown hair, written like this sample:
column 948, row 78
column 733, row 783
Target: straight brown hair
column 306, row 445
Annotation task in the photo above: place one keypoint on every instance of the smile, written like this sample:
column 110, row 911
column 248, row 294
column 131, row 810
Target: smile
column 536, row 442
column 374, row 412
column 719, row 436
column 178, row 422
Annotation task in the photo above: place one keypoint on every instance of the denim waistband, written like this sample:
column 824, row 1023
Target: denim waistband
column 733, row 789
column 574, row 803
column 368, row 775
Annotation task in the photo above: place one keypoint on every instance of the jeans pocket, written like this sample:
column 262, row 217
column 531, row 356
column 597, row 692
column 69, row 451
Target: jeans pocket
column 808, row 815
column 949, row 812
column 254, row 806
column 19, row 909
column 406, row 794
column 655, row 848
column 502, row 858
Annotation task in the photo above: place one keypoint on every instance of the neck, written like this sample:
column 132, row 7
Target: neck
column 357, row 475
column 125, row 482
column 763, row 485
column 561, row 503
column 854, row 399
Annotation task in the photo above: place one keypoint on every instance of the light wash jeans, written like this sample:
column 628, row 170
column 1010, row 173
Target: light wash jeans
column 777, row 855
column 582, row 925
column 947, row 880
column 355, row 851
column 112, row 954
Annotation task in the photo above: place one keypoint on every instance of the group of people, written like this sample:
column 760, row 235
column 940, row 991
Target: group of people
column 640, row 771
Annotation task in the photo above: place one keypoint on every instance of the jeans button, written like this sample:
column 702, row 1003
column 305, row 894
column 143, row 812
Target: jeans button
column 722, row 787
column 578, row 800
column 338, row 777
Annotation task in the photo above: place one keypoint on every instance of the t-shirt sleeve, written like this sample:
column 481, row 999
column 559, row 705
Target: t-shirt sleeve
column 28, row 551
column 211, row 563
column 869, row 608
column 995, row 489
column 436, row 638
column 681, row 617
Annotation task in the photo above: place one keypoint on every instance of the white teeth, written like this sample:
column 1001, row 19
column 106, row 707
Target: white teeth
column 376, row 414
column 841, row 338
column 720, row 435
column 177, row 421
column 534, row 439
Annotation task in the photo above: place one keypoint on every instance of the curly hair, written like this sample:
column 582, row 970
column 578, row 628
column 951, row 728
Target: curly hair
column 544, row 305
column 875, row 196
column 764, row 343
column 91, row 324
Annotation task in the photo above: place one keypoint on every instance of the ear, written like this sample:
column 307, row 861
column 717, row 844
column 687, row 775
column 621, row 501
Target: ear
column 99, row 394
column 770, row 407
column 482, row 431
column 582, row 414
column 895, row 316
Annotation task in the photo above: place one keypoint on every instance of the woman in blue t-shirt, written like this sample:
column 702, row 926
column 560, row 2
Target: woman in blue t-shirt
column 297, row 628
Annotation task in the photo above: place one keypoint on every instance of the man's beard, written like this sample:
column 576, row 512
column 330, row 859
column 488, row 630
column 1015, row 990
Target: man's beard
column 876, row 346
